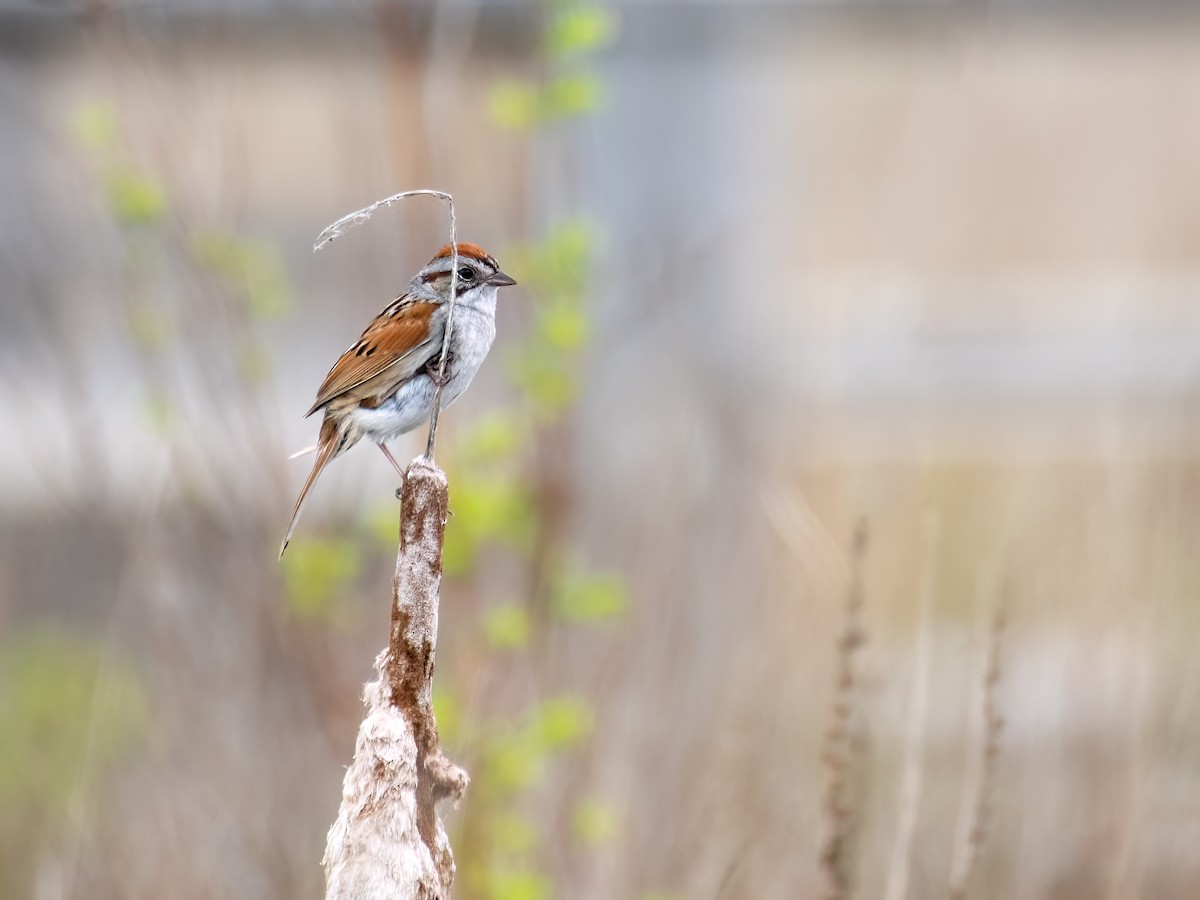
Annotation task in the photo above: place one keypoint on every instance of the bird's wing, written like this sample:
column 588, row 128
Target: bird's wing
column 393, row 348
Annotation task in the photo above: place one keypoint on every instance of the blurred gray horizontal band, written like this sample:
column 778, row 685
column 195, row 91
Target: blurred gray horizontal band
column 676, row 24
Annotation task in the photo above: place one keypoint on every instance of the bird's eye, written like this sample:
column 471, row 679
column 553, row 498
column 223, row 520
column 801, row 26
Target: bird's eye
column 466, row 273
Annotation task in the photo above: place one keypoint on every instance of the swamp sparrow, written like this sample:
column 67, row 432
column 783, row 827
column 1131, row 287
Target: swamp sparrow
column 384, row 385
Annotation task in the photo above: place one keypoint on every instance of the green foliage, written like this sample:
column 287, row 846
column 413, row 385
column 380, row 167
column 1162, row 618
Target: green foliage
column 509, row 874
column 316, row 572
column 572, row 95
column 590, row 597
column 507, row 627
column 557, row 265
column 580, row 29
column 497, row 499
column 448, row 712
column 563, row 325
column 545, row 377
column 516, row 105
column 524, row 105
column 556, row 270
column 485, row 507
column 134, row 199
column 512, row 760
column 67, row 713
column 381, row 524
column 517, row 884
column 574, row 31
column 495, row 435
column 515, row 757
column 594, row 822
column 96, row 127
column 562, row 722
column 514, row 834
column 250, row 269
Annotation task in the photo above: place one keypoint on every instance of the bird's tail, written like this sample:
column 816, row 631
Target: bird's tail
column 328, row 445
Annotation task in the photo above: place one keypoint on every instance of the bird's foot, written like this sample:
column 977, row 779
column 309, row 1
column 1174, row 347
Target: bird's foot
column 435, row 372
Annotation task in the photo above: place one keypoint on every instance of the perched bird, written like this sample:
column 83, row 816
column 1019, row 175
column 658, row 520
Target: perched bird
column 384, row 385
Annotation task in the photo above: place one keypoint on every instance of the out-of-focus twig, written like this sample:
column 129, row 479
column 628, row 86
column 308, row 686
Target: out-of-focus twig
column 975, row 811
column 837, row 851
column 388, row 840
column 348, row 221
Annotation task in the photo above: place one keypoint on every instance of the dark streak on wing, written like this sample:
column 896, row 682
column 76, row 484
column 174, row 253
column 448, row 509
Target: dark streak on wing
column 372, row 363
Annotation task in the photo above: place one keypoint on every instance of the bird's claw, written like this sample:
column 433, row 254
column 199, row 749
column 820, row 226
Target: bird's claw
column 436, row 374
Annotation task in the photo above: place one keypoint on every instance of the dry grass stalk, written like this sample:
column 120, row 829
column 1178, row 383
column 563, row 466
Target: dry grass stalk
column 976, row 812
column 836, row 856
column 388, row 841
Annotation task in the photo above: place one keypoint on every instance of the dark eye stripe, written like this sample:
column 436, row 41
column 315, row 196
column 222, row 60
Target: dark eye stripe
column 434, row 276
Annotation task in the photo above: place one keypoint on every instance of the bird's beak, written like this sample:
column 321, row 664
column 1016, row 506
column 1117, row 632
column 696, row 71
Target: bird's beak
column 501, row 280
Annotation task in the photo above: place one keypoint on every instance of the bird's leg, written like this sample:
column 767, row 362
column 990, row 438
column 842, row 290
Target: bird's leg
column 391, row 459
column 432, row 369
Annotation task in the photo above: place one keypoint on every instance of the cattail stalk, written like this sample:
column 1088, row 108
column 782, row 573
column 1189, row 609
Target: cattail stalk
column 388, row 841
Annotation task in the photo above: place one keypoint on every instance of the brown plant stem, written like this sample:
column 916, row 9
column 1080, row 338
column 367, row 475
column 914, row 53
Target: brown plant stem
column 838, row 849
column 388, row 840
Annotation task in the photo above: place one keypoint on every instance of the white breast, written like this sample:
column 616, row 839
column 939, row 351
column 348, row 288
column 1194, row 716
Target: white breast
column 471, row 338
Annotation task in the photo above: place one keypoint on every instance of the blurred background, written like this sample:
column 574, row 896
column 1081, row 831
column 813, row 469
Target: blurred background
column 926, row 271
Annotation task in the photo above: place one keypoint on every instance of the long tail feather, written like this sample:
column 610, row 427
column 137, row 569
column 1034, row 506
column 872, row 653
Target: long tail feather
column 326, row 448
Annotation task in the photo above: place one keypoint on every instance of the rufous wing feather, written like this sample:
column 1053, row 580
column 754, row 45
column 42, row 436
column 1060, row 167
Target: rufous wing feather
column 398, row 342
column 327, row 448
